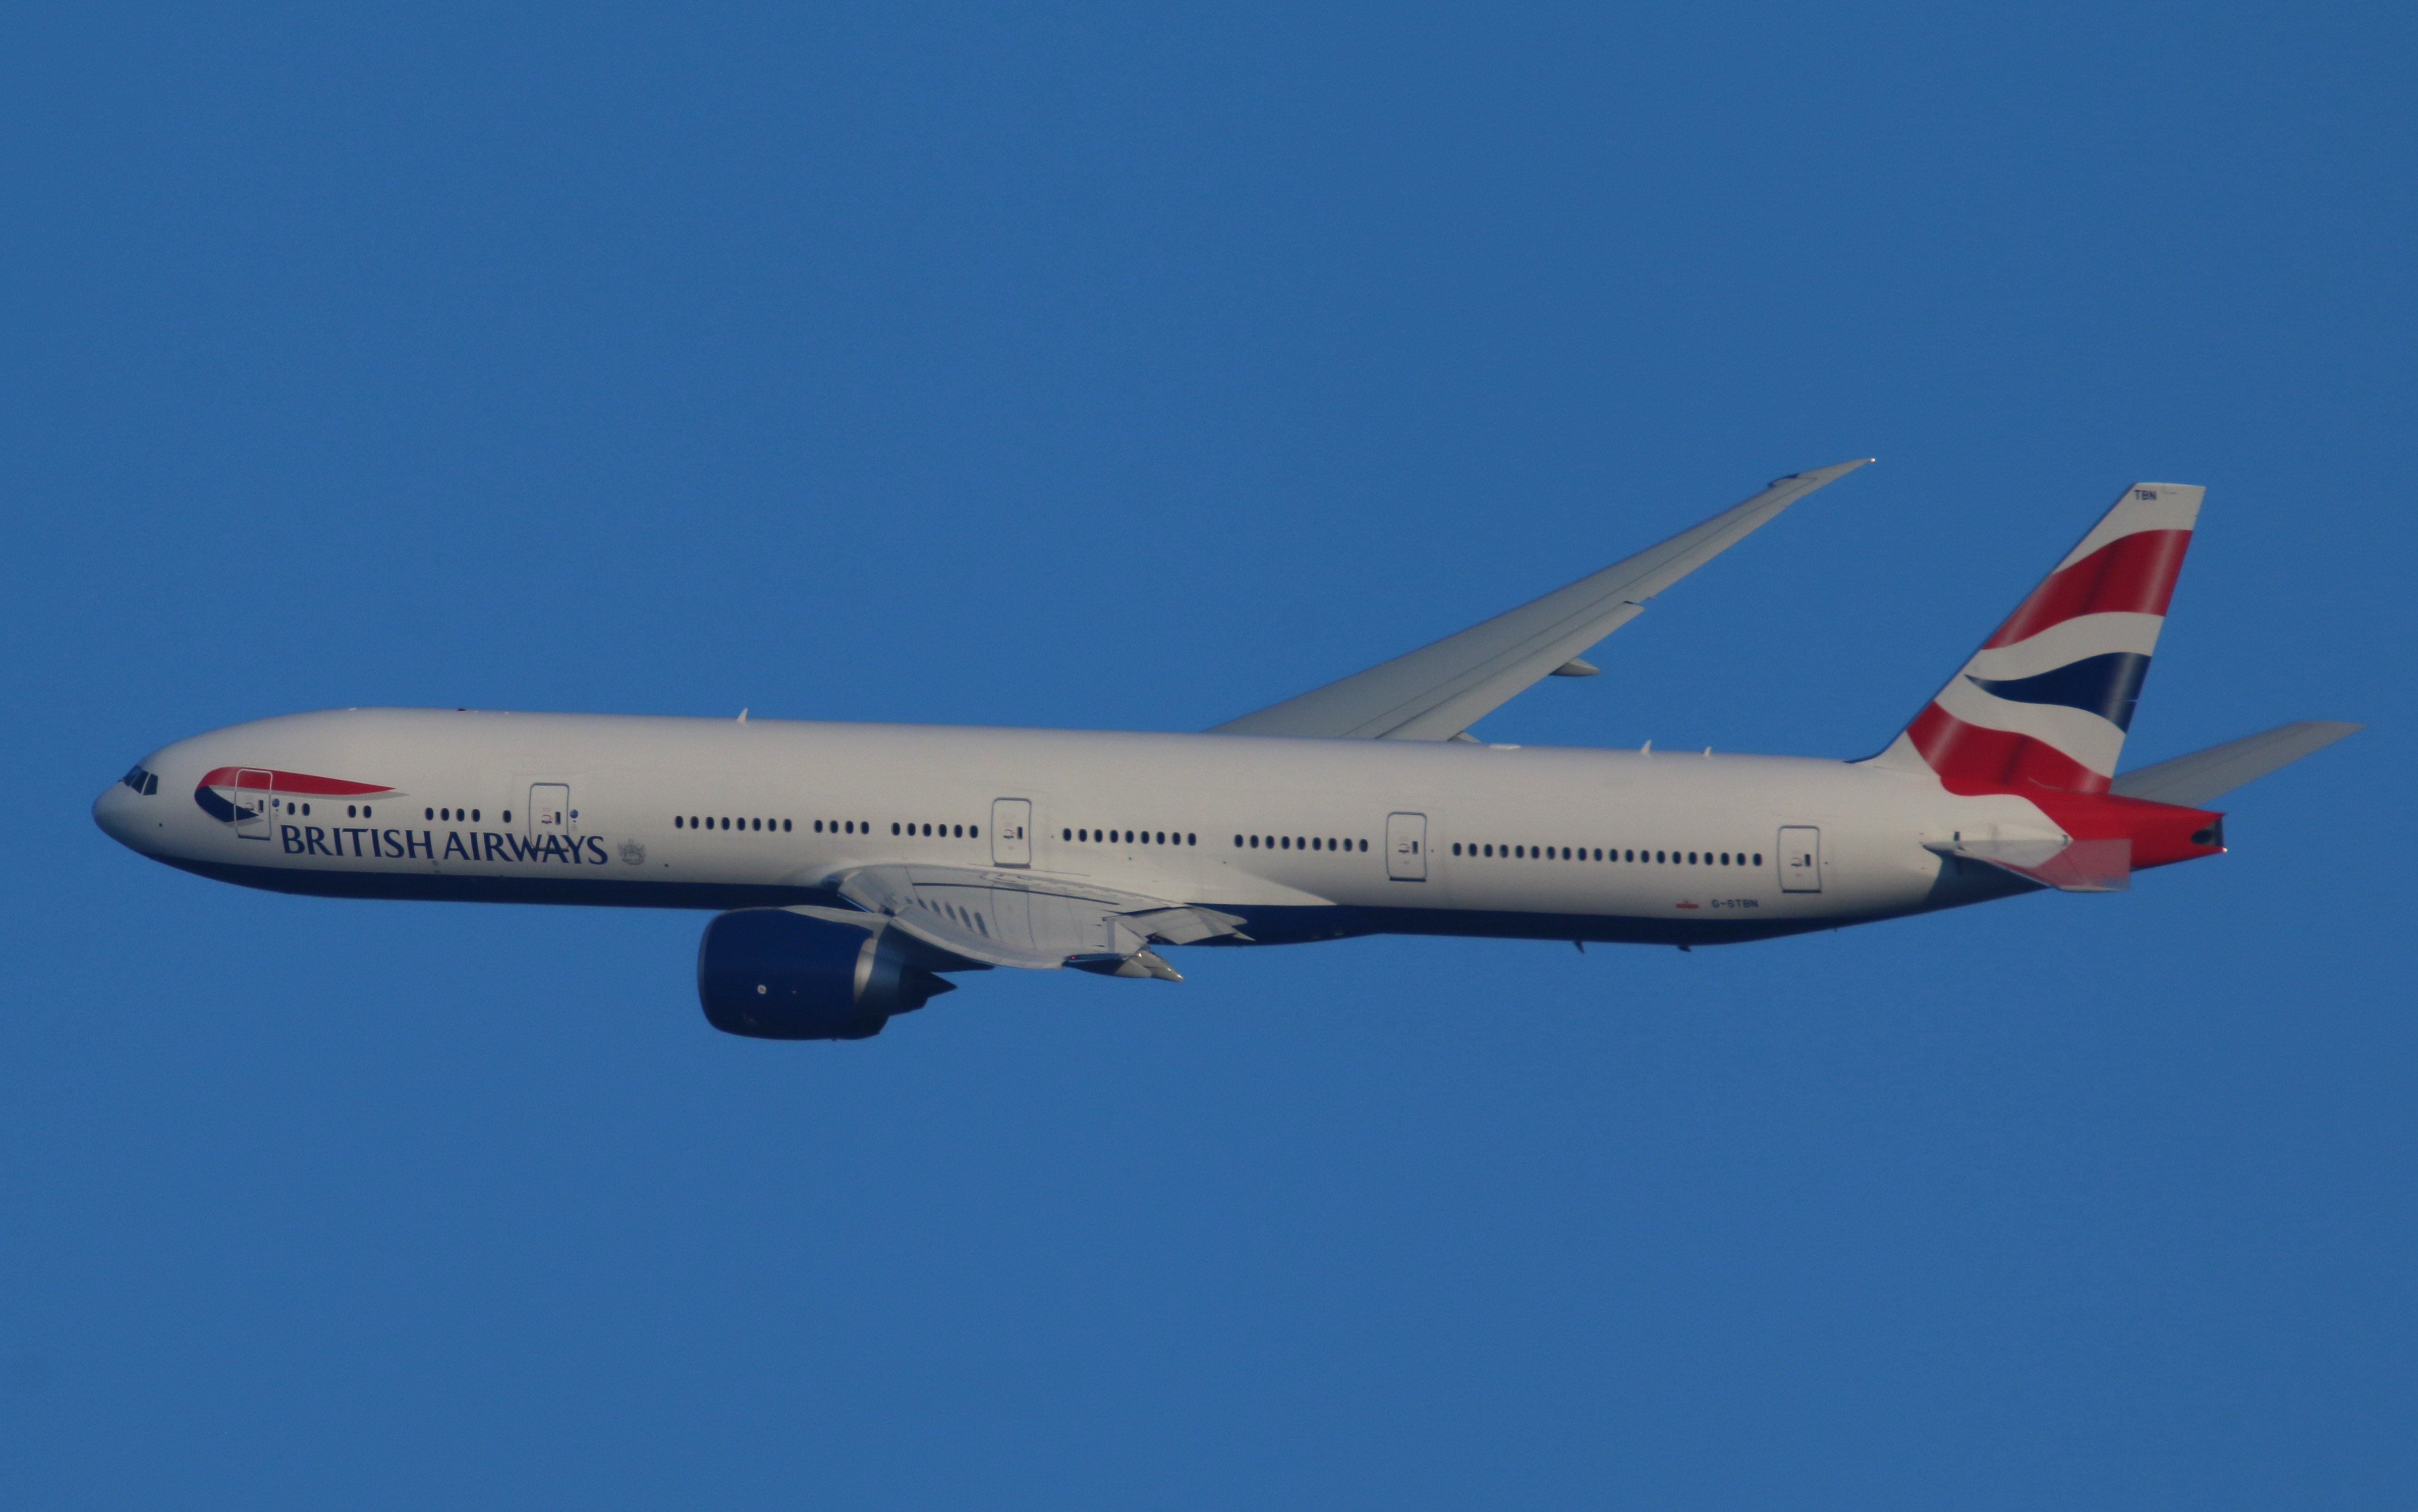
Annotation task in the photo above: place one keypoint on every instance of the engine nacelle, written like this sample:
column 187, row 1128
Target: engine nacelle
column 774, row 975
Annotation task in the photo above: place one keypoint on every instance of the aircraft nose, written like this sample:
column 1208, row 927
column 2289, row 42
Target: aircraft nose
column 122, row 816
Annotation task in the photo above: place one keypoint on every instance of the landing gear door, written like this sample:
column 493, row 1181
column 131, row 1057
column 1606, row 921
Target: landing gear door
column 1800, row 858
column 1011, row 831
column 1406, row 847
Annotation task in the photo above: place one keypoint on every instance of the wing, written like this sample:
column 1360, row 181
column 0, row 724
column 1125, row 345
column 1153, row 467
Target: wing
column 1438, row 690
column 997, row 918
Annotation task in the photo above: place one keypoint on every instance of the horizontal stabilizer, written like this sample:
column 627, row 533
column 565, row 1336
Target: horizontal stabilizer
column 2191, row 780
column 2070, row 866
column 1441, row 689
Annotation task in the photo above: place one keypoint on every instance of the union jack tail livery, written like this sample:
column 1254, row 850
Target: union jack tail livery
column 2046, row 700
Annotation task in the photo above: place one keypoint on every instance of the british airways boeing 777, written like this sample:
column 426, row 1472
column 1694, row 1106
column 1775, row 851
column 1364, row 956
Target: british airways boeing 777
column 855, row 866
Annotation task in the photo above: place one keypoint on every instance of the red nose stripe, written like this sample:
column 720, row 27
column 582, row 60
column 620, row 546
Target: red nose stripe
column 295, row 781
column 2131, row 575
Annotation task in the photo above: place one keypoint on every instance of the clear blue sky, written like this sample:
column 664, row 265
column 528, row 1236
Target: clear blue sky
column 1134, row 367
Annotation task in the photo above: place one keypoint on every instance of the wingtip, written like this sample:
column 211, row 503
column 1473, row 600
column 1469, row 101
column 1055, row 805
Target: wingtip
column 1824, row 475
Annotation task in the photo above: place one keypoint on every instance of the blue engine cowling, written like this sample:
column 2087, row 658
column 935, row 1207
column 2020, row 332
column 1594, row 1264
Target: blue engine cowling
column 772, row 974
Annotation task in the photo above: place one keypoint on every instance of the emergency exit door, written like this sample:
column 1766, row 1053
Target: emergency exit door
column 1800, row 858
column 1011, row 831
column 252, row 791
column 550, row 811
column 1406, row 847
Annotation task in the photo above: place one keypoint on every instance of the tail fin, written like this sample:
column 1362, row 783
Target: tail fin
column 2046, row 700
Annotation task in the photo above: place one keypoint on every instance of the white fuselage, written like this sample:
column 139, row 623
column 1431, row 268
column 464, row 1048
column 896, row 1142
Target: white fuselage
column 1337, row 836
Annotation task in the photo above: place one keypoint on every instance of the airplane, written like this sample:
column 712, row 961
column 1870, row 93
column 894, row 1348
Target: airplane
column 854, row 867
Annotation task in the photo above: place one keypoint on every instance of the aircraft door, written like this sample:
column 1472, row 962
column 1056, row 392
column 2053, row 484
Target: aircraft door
column 251, row 795
column 1800, row 858
column 550, row 811
column 1011, row 831
column 1406, row 847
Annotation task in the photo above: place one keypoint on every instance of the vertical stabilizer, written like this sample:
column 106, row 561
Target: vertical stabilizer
column 2046, row 700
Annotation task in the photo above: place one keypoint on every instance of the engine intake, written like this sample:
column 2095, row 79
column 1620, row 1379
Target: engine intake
column 776, row 974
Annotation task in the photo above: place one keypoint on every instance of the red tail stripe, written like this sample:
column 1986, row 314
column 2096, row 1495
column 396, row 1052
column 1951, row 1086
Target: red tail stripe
column 295, row 781
column 2131, row 574
column 1971, row 760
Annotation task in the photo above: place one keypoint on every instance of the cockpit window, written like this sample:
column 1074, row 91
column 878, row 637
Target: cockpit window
column 146, row 783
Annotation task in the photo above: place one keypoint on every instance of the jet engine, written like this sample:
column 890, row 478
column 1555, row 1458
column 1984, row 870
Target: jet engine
column 779, row 974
